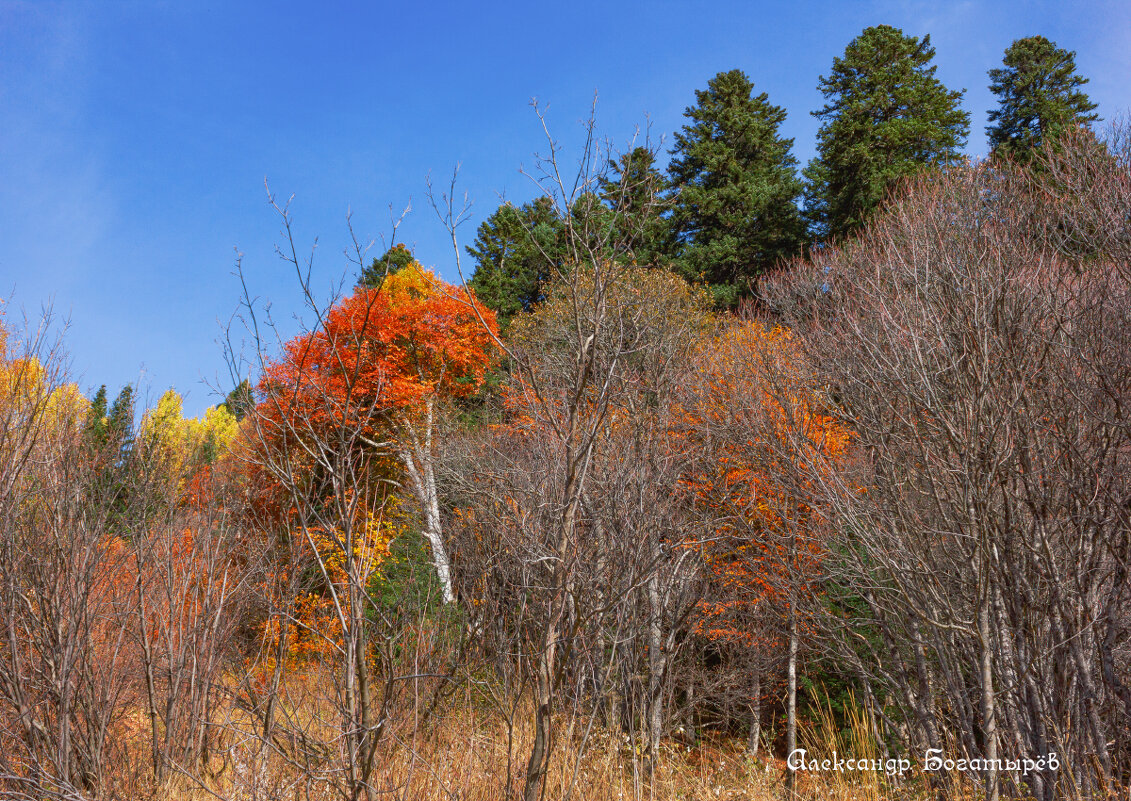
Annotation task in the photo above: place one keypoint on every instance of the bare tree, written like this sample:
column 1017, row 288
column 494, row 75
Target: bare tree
column 63, row 663
column 975, row 339
column 593, row 369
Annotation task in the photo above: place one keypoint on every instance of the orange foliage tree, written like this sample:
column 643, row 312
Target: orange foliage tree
column 756, row 418
column 343, row 420
column 378, row 365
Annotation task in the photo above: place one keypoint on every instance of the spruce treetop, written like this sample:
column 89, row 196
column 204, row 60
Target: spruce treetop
column 396, row 258
column 735, row 210
column 515, row 252
column 1039, row 97
column 886, row 117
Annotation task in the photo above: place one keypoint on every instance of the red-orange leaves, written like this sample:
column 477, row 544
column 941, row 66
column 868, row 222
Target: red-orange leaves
column 381, row 351
column 764, row 442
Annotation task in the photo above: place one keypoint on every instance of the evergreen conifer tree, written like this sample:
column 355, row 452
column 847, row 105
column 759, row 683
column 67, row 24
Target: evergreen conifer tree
column 239, row 401
column 96, row 419
column 886, row 117
column 395, row 259
column 515, row 251
column 637, row 193
column 121, row 420
column 1039, row 97
column 736, row 186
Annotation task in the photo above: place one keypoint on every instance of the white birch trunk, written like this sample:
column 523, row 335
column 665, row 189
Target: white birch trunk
column 419, row 461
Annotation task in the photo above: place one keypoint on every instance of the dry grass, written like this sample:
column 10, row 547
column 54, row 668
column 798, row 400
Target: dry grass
column 464, row 753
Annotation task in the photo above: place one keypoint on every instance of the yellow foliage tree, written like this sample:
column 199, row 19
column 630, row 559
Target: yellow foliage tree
column 185, row 443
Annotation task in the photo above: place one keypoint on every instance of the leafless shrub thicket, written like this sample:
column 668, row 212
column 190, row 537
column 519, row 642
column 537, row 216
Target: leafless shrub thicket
column 120, row 600
column 572, row 538
column 975, row 340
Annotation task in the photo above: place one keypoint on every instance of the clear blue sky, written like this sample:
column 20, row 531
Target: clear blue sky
column 135, row 136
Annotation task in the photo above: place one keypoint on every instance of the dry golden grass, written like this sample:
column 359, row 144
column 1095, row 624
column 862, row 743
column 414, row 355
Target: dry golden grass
column 464, row 753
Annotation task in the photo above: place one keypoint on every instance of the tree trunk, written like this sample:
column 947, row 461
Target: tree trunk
column 419, row 462
column 755, row 715
column 546, row 684
column 989, row 719
column 539, row 760
column 791, row 702
column 656, row 667
column 366, row 747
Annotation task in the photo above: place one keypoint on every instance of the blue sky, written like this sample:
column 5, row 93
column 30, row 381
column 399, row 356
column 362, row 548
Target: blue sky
column 136, row 136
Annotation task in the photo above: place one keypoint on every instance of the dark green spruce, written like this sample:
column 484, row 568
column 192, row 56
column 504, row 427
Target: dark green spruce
column 1039, row 97
column 886, row 117
column 97, row 423
column 395, row 259
column 637, row 193
column 515, row 252
column 736, row 188
column 239, row 401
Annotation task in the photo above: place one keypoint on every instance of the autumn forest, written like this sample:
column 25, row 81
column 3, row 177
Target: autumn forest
column 704, row 471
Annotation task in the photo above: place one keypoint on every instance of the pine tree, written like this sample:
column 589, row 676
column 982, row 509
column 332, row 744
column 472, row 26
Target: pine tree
column 395, row 259
column 515, row 251
column 736, row 185
column 1039, row 97
column 886, row 117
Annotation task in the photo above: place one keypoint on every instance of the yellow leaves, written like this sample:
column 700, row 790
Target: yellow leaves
column 27, row 395
column 169, row 435
column 368, row 543
column 66, row 404
column 34, row 396
column 163, row 426
column 21, row 380
column 410, row 285
column 215, row 430
column 360, row 551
